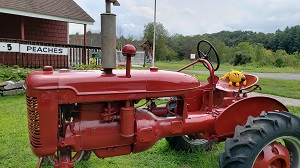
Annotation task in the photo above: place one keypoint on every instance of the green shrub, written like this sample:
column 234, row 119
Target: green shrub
column 279, row 63
column 14, row 73
column 86, row 67
column 92, row 67
column 241, row 58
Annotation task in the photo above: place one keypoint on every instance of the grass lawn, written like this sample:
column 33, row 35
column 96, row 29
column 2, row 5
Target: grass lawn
column 14, row 141
column 294, row 109
column 16, row 152
column 284, row 88
column 174, row 65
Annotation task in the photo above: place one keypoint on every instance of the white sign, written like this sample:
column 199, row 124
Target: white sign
column 35, row 49
column 9, row 47
column 193, row 56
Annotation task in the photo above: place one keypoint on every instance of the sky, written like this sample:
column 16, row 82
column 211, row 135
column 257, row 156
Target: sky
column 195, row 16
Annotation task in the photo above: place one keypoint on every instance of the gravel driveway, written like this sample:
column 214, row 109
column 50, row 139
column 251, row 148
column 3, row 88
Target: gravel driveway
column 284, row 76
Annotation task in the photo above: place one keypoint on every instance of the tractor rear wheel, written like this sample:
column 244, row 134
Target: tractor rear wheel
column 270, row 140
column 189, row 144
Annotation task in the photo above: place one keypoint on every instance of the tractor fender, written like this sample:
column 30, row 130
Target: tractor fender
column 238, row 112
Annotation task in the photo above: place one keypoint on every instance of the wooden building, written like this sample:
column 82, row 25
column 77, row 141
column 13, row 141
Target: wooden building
column 34, row 33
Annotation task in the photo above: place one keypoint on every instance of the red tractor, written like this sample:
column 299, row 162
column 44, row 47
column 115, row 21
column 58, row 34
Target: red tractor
column 114, row 112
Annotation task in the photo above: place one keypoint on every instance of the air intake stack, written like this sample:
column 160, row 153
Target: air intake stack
column 108, row 38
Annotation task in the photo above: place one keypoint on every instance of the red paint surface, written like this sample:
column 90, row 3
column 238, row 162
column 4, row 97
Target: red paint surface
column 105, row 120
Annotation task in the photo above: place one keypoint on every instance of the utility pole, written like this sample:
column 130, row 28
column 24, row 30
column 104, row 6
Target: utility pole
column 154, row 33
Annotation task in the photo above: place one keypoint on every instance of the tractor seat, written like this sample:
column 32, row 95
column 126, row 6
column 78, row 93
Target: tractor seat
column 250, row 81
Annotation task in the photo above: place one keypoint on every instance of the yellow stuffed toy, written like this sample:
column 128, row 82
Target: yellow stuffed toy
column 235, row 77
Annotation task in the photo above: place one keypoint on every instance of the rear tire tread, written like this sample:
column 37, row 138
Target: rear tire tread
column 248, row 140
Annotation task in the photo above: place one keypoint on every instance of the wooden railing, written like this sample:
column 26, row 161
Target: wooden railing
column 77, row 54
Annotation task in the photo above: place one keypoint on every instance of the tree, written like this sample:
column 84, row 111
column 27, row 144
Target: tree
column 258, row 52
column 175, row 43
column 267, row 59
column 241, row 58
column 244, row 53
column 162, row 50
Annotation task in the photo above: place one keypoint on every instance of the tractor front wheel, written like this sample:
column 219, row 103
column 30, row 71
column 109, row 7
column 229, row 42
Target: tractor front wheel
column 270, row 140
column 81, row 156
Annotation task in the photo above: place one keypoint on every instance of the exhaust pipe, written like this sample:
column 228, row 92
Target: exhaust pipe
column 108, row 38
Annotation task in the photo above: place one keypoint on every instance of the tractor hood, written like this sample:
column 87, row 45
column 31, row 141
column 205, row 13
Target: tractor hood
column 141, row 84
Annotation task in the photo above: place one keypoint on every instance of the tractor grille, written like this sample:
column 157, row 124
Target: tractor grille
column 33, row 122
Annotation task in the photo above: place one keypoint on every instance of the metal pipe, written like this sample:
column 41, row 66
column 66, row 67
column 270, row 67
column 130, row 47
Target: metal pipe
column 154, row 33
column 108, row 38
column 108, row 42
column 108, row 7
column 150, row 128
column 212, row 79
column 128, row 65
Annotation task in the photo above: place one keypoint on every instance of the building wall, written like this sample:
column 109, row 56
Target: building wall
column 35, row 29
column 10, row 26
column 38, row 30
column 46, row 30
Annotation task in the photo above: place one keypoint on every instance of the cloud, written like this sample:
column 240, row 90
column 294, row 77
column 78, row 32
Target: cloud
column 199, row 17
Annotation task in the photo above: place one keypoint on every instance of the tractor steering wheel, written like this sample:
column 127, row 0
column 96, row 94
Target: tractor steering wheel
column 204, row 48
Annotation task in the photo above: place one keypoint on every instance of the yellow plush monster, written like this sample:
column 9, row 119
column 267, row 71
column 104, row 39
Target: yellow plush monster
column 235, row 77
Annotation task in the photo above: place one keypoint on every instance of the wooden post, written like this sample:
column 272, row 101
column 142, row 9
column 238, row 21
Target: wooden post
column 22, row 28
column 21, row 64
column 84, row 35
column 84, row 48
